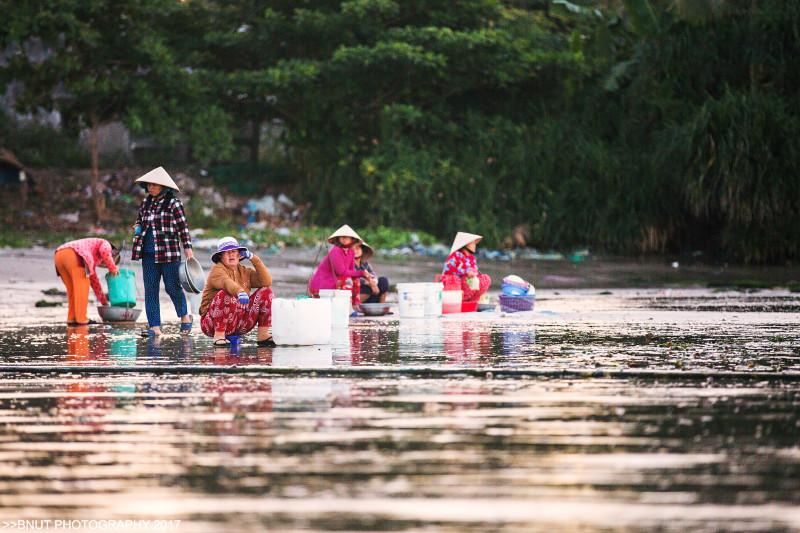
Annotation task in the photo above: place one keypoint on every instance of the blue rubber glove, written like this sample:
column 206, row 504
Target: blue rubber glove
column 245, row 254
column 137, row 230
column 243, row 298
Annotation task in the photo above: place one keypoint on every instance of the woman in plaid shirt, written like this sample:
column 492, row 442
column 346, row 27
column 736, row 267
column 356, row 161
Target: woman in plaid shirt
column 160, row 230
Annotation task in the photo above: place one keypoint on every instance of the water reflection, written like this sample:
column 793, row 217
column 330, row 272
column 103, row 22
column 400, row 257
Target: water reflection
column 371, row 346
column 229, row 356
column 667, row 340
column 238, row 451
column 466, row 345
column 512, row 342
column 122, row 349
column 248, row 451
column 77, row 343
column 303, row 356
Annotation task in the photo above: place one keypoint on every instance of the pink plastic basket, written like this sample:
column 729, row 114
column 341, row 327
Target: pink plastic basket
column 512, row 304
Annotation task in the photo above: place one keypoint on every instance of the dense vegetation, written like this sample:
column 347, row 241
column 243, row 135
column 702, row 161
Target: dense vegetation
column 629, row 126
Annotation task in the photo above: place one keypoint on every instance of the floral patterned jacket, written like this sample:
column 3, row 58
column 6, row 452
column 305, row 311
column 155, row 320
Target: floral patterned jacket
column 458, row 263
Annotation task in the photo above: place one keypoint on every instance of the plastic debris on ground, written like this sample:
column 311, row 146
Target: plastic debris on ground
column 440, row 250
column 269, row 211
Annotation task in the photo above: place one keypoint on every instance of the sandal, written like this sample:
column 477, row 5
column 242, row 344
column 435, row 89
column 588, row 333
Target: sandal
column 148, row 333
column 266, row 343
column 186, row 327
column 89, row 323
column 223, row 342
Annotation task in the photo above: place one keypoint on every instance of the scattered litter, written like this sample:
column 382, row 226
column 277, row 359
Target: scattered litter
column 440, row 250
column 72, row 218
column 205, row 244
column 285, row 200
column 265, row 204
column 187, row 184
column 268, row 211
column 578, row 256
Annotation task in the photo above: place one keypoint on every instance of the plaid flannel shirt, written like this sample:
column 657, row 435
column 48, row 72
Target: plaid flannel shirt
column 165, row 216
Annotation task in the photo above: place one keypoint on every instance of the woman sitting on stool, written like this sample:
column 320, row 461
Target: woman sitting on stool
column 461, row 269
column 227, row 307
column 338, row 270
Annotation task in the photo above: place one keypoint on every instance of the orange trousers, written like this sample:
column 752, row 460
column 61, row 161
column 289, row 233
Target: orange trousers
column 70, row 267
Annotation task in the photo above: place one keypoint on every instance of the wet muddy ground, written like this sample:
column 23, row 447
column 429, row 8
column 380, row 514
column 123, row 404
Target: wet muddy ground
column 610, row 407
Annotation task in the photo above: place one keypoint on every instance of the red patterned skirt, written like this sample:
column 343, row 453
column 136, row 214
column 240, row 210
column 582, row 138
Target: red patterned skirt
column 225, row 314
column 453, row 282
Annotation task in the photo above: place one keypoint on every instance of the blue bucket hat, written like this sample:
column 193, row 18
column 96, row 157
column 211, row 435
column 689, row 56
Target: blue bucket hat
column 226, row 244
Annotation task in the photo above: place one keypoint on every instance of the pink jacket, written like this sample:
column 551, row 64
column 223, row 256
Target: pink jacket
column 92, row 251
column 340, row 262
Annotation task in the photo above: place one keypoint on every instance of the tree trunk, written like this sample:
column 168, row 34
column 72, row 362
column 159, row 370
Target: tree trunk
column 97, row 197
column 255, row 141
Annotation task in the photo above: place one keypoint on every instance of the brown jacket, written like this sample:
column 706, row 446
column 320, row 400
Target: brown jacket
column 234, row 280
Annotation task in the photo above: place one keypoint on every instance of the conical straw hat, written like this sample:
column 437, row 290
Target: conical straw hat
column 344, row 231
column 366, row 251
column 462, row 239
column 158, row 176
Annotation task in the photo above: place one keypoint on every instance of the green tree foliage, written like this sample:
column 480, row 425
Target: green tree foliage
column 631, row 126
column 98, row 62
column 642, row 127
column 709, row 126
column 386, row 102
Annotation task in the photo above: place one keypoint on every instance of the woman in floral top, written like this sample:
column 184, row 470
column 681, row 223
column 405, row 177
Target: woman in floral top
column 76, row 262
column 461, row 269
column 160, row 232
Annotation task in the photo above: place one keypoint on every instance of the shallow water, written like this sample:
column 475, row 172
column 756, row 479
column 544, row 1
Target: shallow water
column 614, row 410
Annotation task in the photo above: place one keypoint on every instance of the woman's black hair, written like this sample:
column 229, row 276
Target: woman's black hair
column 116, row 253
column 167, row 194
column 165, row 190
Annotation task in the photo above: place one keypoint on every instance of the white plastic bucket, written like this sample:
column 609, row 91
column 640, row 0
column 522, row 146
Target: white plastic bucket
column 334, row 293
column 340, row 306
column 411, row 300
column 451, row 301
column 301, row 322
column 433, row 299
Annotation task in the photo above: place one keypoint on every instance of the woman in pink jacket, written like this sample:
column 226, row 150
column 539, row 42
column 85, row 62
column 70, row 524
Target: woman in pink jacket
column 338, row 269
